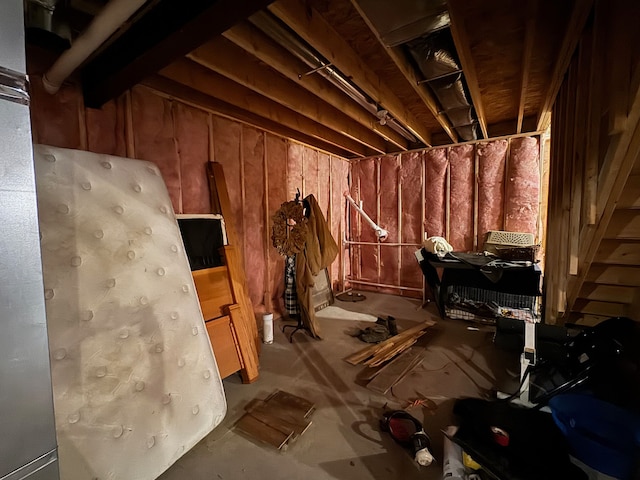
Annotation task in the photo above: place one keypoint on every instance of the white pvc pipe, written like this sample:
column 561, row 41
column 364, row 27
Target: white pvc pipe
column 380, row 232
column 103, row 25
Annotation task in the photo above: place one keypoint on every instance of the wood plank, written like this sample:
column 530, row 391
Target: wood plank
column 573, row 32
column 529, row 35
column 599, row 308
column 246, row 344
column 169, row 30
column 289, row 400
column 616, row 252
column 407, row 361
column 624, row 224
column 292, row 417
column 262, row 432
column 264, row 48
column 630, row 197
column 177, row 91
column 607, row 293
column 214, row 291
column 463, row 48
column 310, row 25
column 274, row 422
column 224, row 345
column 226, row 58
column 363, row 354
column 614, row 275
column 409, row 72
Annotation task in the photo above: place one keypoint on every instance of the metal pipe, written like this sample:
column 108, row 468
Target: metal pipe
column 380, row 232
column 373, row 284
column 270, row 26
column 110, row 18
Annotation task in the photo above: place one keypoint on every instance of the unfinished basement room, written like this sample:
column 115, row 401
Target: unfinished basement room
column 320, row 240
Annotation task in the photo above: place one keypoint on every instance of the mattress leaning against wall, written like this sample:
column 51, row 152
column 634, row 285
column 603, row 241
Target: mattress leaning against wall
column 134, row 378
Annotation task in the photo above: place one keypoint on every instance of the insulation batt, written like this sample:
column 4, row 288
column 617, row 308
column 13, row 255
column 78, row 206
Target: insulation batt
column 369, row 196
column 389, row 257
column 411, row 178
column 105, row 128
column 253, row 214
column 436, row 166
column 491, row 165
column 523, row 186
column 461, row 161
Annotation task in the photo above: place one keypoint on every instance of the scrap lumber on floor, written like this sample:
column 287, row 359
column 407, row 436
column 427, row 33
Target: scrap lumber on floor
column 376, row 355
column 280, row 418
column 395, row 371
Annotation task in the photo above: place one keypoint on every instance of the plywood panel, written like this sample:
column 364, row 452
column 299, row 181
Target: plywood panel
column 154, row 138
column 106, row 128
column 523, row 186
column 214, row 291
column 224, row 346
column 462, row 164
column 192, row 137
column 491, row 168
column 253, row 213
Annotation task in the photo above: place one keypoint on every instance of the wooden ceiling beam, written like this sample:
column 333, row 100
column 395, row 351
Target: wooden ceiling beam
column 399, row 58
column 226, row 58
column 577, row 22
column 168, row 31
column 463, row 48
column 215, row 85
column 316, row 31
column 264, row 48
column 530, row 32
column 176, row 91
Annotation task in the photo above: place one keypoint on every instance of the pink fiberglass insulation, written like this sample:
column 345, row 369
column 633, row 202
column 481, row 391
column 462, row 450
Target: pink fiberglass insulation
column 154, row 138
column 226, row 151
column 523, row 186
column 55, row 118
column 276, row 161
column 106, row 127
column 368, row 169
column 254, row 228
column 310, row 172
column 192, row 137
column 411, row 177
column 462, row 163
column 491, row 165
column 339, row 179
column 389, row 256
column 436, row 162
column 324, row 184
column 295, row 159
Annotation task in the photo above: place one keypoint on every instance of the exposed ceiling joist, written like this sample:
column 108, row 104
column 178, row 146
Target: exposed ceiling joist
column 215, row 85
column 169, row 31
column 409, row 73
column 190, row 96
column 530, row 32
column 310, row 25
column 577, row 22
column 463, row 47
column 226, row 58
column 262, row 47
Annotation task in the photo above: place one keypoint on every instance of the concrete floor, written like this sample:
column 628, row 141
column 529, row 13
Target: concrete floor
column 344, row 442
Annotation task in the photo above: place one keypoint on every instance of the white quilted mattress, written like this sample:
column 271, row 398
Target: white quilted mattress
column 134, row 378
